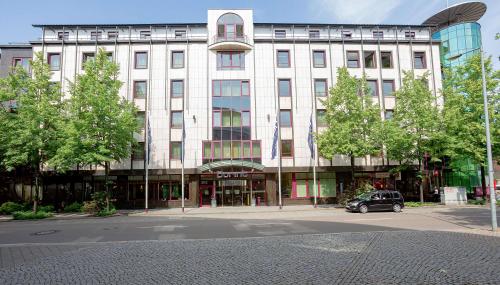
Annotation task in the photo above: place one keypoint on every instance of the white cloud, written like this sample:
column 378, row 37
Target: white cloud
column 355, row 11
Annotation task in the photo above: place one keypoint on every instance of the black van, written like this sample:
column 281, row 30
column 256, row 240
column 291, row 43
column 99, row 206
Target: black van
column 381, row 200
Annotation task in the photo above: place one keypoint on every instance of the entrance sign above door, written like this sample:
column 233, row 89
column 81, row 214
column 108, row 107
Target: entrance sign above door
column 225, row 163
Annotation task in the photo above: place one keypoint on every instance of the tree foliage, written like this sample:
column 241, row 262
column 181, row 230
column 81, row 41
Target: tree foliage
column 464, row 109
column 353, row 120
column 416, row 127
column 100, row 125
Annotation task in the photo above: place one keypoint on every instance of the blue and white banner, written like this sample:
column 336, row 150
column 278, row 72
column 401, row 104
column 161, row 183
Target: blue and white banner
column 274, row 150
column 310, row 137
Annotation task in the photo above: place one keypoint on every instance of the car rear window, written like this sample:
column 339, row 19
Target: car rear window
column 396, row 195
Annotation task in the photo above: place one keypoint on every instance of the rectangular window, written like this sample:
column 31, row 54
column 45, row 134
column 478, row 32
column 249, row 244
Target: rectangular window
column 386, row 59
column 21, row 61
column 372, row 87
column 109, row 55
column 207, row 150
column 226, row 150
column 138, row 151
column 217, row 118
column 217, row 150
column 140, row 89
column 175, row 150
column 180, row 34
column 320, row 87
column 419, row 60
column 94, row 36
column 283, row 58
column 388, row 88
column 346, row 34
column 141, row 60
column 113, row 35
column 176, row 119
column 177, row 59
column 280, row 34
column 140, row 117
column 284, row 87
column 353, row 59
column 227, row 88
column 86, row 57
column 236, row 149
column 378, row 34
column 245, row 119
column 409, row 35
column 145, row 35
column 286, row 148
column 247, row 152
column 54, row 61
column 370, row 59
column 389, row 114
column 230, row 60
column 256, row 149
column 177, row 88
column 314, row 34
column 319, row 58
column 63, row 36
column 321, row 118
column 285, row 118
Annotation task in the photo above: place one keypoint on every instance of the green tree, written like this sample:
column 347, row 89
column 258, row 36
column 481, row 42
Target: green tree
column 415, row 129
column 464, row 111
column 34, row 130
column 353, row 121
column 101, row 124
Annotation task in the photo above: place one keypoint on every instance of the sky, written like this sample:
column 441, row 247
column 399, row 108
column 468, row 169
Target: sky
column 16, row 26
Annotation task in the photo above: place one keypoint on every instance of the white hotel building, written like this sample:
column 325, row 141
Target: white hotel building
column 229, row 79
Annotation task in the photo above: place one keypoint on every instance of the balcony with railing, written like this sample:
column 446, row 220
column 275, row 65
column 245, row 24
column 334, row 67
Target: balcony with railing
column 230, row 42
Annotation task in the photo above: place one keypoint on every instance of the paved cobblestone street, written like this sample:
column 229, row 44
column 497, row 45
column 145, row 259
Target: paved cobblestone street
column 393, row 257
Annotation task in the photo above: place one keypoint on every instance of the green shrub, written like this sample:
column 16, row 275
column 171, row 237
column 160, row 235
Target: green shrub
column 105, row 213
column 30, row 215
column 73, row 208
column 47, row 208
column 476, row 202
column 90, row 207
column 8, row 208
column 419, row 204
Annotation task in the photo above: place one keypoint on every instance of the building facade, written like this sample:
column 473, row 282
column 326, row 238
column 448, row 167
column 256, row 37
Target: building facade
column 224, row 88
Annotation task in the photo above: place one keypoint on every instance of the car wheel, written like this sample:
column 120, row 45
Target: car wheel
column 363, row 209
column 396, row 208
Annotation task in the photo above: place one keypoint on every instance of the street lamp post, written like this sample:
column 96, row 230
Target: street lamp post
column 488, row 139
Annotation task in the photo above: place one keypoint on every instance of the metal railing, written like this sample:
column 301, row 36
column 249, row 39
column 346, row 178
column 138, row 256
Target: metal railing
column 230, row 38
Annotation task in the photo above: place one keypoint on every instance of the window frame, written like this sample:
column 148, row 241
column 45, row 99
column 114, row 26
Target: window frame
column 95, row 35
column 279, row 33
column 145, row 35
column 63, row 36
column 172, row 81
column 172, row 54
column 21, row 59
column 85, row 56
column 325, row 81
column 219, row 82
column 180, row 34
column 358, row 63
column 373, row 56
column 232, row 54
column 277, row 58
column 136, row 54
column 314, row 34
column 378, row 35
column 409, row 35
column 315, row 65
column 424, row 59
column 291, row 118
column 171, row 156
column 390, row 59
column 172, row 126
column 324, row 124
column 289, row 87
column 141, row 157
column 346, row 35
column 393, row 82
column 376, row 93
column 49, row 61
column 291, row 148
column 113, row 35
column 134, row 90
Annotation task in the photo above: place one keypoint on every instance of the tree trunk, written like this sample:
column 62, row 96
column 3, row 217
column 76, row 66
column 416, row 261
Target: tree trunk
column 353, row 183
column 37, row 188
column 106, row 186
column 421, row 187
column 483, row 182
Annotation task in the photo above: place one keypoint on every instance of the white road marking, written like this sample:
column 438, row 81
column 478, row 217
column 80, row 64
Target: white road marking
column 375, row 219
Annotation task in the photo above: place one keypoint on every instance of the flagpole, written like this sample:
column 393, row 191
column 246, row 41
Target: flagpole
column 182, row 162
column 278, row 146
column 147, row 161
